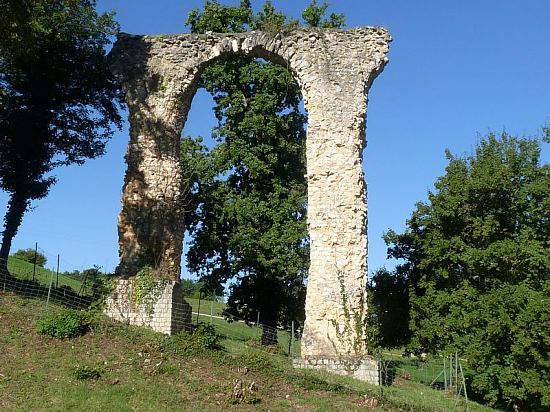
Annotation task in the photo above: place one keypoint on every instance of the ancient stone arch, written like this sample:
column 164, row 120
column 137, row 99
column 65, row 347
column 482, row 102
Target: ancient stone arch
column 334, row 69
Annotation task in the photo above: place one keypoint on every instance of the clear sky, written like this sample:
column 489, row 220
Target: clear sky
column 457, row 70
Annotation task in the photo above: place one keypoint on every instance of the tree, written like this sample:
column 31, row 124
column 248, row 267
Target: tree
column 30, row 255
column 58, row 99
column 249, row 195
column 477, row 262
column 388, row 306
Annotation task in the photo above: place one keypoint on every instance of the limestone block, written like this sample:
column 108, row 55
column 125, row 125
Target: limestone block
column 366, row 369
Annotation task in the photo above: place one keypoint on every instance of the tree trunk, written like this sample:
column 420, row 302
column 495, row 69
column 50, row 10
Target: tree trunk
column 17, row 206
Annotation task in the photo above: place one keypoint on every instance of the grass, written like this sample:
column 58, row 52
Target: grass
column 124, row 368
column 23, row 270
column 217, row 307
column 237, row 332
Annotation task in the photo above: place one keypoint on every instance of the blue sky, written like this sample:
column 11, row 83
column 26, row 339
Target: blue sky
column 457, row 70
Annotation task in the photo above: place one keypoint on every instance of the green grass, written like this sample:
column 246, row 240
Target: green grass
column 21, row 269
column 237, row 333
column 217, row 307
column 134, row 371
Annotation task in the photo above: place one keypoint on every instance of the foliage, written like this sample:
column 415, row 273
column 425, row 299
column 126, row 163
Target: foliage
column 388, row 294
column 147, row 288
column 313, row 16
column 57, row 96
column 29, row 255
column 67, row 324
column 248, row 195
column 204, row 337
column 476, row 258
column 350, row 331
column 196, row 290
column 87, row 373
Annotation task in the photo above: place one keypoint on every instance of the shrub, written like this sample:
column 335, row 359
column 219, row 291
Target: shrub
column 28, row 256
column 67, row 324
column 203, row 338
column 87, row 373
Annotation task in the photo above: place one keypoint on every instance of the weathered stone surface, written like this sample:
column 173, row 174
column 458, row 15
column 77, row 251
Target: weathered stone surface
column 366, row 369
column 335, row 69
column 168, row 314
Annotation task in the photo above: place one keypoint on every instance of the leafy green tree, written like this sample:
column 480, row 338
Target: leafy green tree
column 314, row 15
column 29, row 255
column 249, row 192
column 477, row 262
column 388, row 307
column 57, row 96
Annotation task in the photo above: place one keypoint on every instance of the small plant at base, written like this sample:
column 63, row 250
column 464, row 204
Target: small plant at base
column 65, row 325
column 87, row 373
column 147, row 289
column 244, row 393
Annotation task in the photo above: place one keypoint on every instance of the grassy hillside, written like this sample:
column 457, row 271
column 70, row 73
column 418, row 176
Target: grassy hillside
column 139, row 372
column 21, row 269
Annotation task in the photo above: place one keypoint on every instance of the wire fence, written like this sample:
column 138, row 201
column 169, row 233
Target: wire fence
column 445, row 373
column 31, row 281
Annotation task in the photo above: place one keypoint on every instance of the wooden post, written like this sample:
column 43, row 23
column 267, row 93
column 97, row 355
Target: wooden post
column 199, row 308
column 57, row 274
column 290, row 354
column 445, row 372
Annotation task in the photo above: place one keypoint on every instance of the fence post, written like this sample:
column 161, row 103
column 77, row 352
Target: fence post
column 49, row 290
column 456, row 371
column 211, row 310
column 35, row 256
column 290, row 352
column 445, row 371
column 57, row 274
column 258, row 323
column 464, row 385
column 199, row 307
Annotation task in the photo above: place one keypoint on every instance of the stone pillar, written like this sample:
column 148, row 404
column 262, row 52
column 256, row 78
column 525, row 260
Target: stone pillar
column 150, row 224
column 337, row 220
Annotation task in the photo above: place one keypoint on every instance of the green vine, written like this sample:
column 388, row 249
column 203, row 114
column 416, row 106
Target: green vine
column 147, row 289
column 351, row 334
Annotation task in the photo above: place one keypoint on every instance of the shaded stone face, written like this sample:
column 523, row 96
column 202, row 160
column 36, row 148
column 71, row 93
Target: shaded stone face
column 334, row 69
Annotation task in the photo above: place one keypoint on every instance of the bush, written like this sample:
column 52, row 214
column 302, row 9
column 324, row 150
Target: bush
column 87, row 373
column 28, row 256
column 203, row 338
column 65, row 325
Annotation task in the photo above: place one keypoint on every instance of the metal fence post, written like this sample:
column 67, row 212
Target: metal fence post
column 290, row 351
column 34, row 263
column 211, row 310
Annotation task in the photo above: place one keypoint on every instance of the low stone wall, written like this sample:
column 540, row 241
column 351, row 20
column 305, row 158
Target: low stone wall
column 169, row 313
column 366, row 370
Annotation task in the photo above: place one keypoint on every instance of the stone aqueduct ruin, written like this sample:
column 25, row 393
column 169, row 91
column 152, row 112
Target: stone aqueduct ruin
column 335, row 69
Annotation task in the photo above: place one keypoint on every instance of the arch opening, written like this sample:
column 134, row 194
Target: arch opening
column 258, row 255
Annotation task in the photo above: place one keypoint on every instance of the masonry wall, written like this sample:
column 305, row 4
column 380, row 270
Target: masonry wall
column 366, row 369
column 168, row 314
